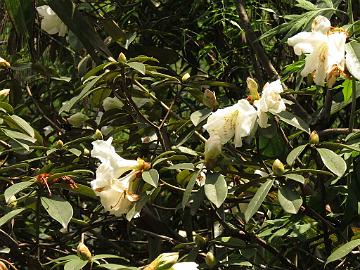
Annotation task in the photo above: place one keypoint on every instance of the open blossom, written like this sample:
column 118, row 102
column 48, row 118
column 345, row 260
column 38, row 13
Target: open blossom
column 185, row 266
column 235, row 121
column 270, row 101
column 114, row 177
column 50, row 22
column 325, row 49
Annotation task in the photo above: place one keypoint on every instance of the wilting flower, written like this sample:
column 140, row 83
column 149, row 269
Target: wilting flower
column 185, row 266
column 270, row 101
column 50, row 22
column 114, row 177
column 325, row 49
column 235, row 121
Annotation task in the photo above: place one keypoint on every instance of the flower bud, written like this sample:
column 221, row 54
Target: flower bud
column 163, row 261
column 210, row 260
column 83, row 252
column 200, row 241
column 278, row 168
column 3, row 266
column 209, row 99
column 86, row 152
column 122, row 58
column 4, row 64
column 185, row 77
column 98, row 135
column 212, row 148
column 4, row 93
column 11, row 202
column 77, row 119
column 253, row 88
column 314, row 138
column 59, row 144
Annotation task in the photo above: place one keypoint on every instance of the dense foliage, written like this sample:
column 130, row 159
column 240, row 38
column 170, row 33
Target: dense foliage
column 231, row 150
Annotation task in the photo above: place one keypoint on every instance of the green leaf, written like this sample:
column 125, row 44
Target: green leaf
column 151, row 177
column 6, row 107
column 353, row 58
column 216, row 188
column 112, row 266
column 75, row 264
column 58, row 208
column 343, row 251
column 258, row 199
column 7, row 217
column 294, row 120
column 189, row 188
column 332, row 161
column 347, row 90
column 182, row 166
column 296, row 177
column 140, row 67
column 293, row 155
column 87, row 89
column 23, row 125
column 16, row 188
column 198, row 116
column 289, row 200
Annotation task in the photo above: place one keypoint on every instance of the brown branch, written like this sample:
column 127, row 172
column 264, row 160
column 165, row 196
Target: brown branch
column 252, row 39
column 335, row 131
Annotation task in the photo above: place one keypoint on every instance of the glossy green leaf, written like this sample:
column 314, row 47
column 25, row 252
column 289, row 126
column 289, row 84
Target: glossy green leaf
column 16, row 188
column 189, row 188
column 7, row 217
column 342, row 251
column 151, row 177
column 182, row 166
column 140, row 67
column 296, row 177
column 258, row 199
column 58, row 208
column 294, row 154
column 198, row 116
column 294, row 120
column 332, row 161
column 289, row 200
column 75, row 264
column 216, row 189
column 353, row 58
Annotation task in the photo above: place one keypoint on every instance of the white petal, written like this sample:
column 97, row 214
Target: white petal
column 185, row 266
column 306, row 42
column 263, row 119
column 222, row 123
column 336, row 53
column 245, row 121
column 321, row 24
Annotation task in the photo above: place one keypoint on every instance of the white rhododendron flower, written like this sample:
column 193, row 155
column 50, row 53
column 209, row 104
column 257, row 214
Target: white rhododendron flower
column 112, row 184
column 270, row 101
column 235, row 121
column 325, row 49
column 50, row 22
column 185, row 266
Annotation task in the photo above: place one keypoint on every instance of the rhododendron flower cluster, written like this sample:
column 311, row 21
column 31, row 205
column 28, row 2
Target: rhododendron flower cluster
column 325, row 50
column 114, row 177
column 240, row 120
